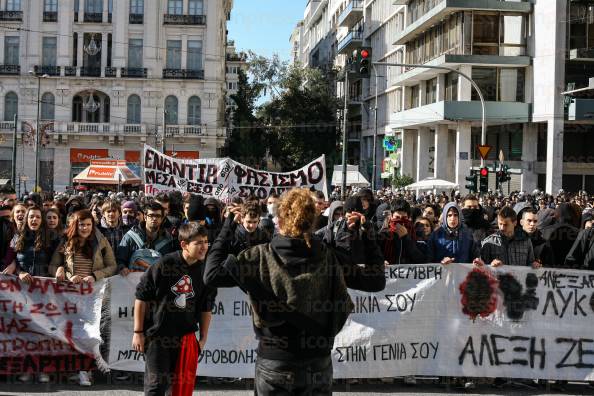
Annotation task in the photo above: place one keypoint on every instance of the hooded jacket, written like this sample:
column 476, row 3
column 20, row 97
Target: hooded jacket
column 456, row 243
column 326, row 232
column 289, row 283
column 561, row 235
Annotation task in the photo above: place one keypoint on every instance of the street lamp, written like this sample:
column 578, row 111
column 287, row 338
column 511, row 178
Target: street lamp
column 463, row 75
column 37, row 129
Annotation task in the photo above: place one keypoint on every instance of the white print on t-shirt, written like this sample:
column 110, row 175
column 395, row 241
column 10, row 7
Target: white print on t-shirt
column 182, row 289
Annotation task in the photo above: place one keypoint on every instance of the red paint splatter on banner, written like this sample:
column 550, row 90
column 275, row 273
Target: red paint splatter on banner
column 479, row 293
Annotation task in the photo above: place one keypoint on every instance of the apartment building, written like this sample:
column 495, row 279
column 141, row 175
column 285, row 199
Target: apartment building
column 531, row 59
column 235, row 63
column 111, row 76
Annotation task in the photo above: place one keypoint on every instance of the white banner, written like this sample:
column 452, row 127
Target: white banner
column 224, row 178
column 48, row 326
column 429, row 320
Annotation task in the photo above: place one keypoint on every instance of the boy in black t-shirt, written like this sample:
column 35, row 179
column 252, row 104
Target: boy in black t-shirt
column 179, row 304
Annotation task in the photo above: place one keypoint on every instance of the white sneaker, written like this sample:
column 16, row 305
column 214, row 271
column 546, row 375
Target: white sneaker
column 25, row 377
column 469, row 385
column 43, row 378
column 84, row 379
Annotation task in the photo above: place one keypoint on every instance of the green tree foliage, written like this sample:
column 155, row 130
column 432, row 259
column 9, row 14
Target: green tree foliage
column 247, row 142
column 301, row 119
column 296, row 120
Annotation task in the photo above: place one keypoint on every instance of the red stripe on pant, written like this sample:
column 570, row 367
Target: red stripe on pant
column 187, row 364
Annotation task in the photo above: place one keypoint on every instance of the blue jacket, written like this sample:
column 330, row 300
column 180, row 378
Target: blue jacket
column 457, row 243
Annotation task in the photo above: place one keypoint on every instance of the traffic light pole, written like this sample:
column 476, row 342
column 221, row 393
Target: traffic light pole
column 344, row 136
column 374, row 156
column 474, row 84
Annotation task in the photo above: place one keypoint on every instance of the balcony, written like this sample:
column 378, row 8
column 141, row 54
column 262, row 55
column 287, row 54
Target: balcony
column 183, row 74
column 183, row 130
column 99, row 129
column 50, row 16
column 352, row 14
column 133, row 72
column 455, row 111
column 7, row 126
column 353, row 40
column 174, row 19
column 11, row 16
column 10, row 70
column 49, row 70
column 581, row 109
column 93, row 17
column 90, row 71
column 581, row 54
column 110, row 71
column 444, row 8
column 136, row 19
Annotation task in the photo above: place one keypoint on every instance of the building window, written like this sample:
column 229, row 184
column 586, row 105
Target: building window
column 135, row 53
column 48, row 106
column 49, row 49
column 451, row 91
column 175, row 7
column 134, row 109
column 499, row 84
column 414, row 97
column 485, row 29
column 196, row 7
column 194, row 109
column 94, row 6
column 11, row 106
column 194, row 55
column 50, row 6
column 171, row 110
column 11, row 50
column 431, row 91
column 13, row 5
column 137, row 7
column 174, row 54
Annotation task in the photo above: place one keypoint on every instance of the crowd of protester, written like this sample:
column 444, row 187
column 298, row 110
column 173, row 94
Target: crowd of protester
column 87, row 237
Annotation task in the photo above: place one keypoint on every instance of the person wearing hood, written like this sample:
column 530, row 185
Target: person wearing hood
column 335, row 214
column 508, row 246
column 129, row 214
column 397, row 236
column 212, row 218
column 474, row 218
column 369, row 203
column 451, row 242
column 248, row 234
column 529, row 224
column 562, row 234
column 287, row 281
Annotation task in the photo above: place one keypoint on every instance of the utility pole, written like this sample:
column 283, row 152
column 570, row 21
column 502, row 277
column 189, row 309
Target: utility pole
column 374, row 156
column 344, row 134
column 14, row 152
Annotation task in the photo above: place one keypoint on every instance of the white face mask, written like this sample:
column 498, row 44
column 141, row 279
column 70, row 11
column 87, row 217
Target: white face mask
column 272, row 209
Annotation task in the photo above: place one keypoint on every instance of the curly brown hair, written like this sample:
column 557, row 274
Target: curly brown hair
column 297, row 214
column 40, row 241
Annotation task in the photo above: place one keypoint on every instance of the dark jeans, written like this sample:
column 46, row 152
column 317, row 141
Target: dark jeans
column 160, row 355
column 300, row 377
